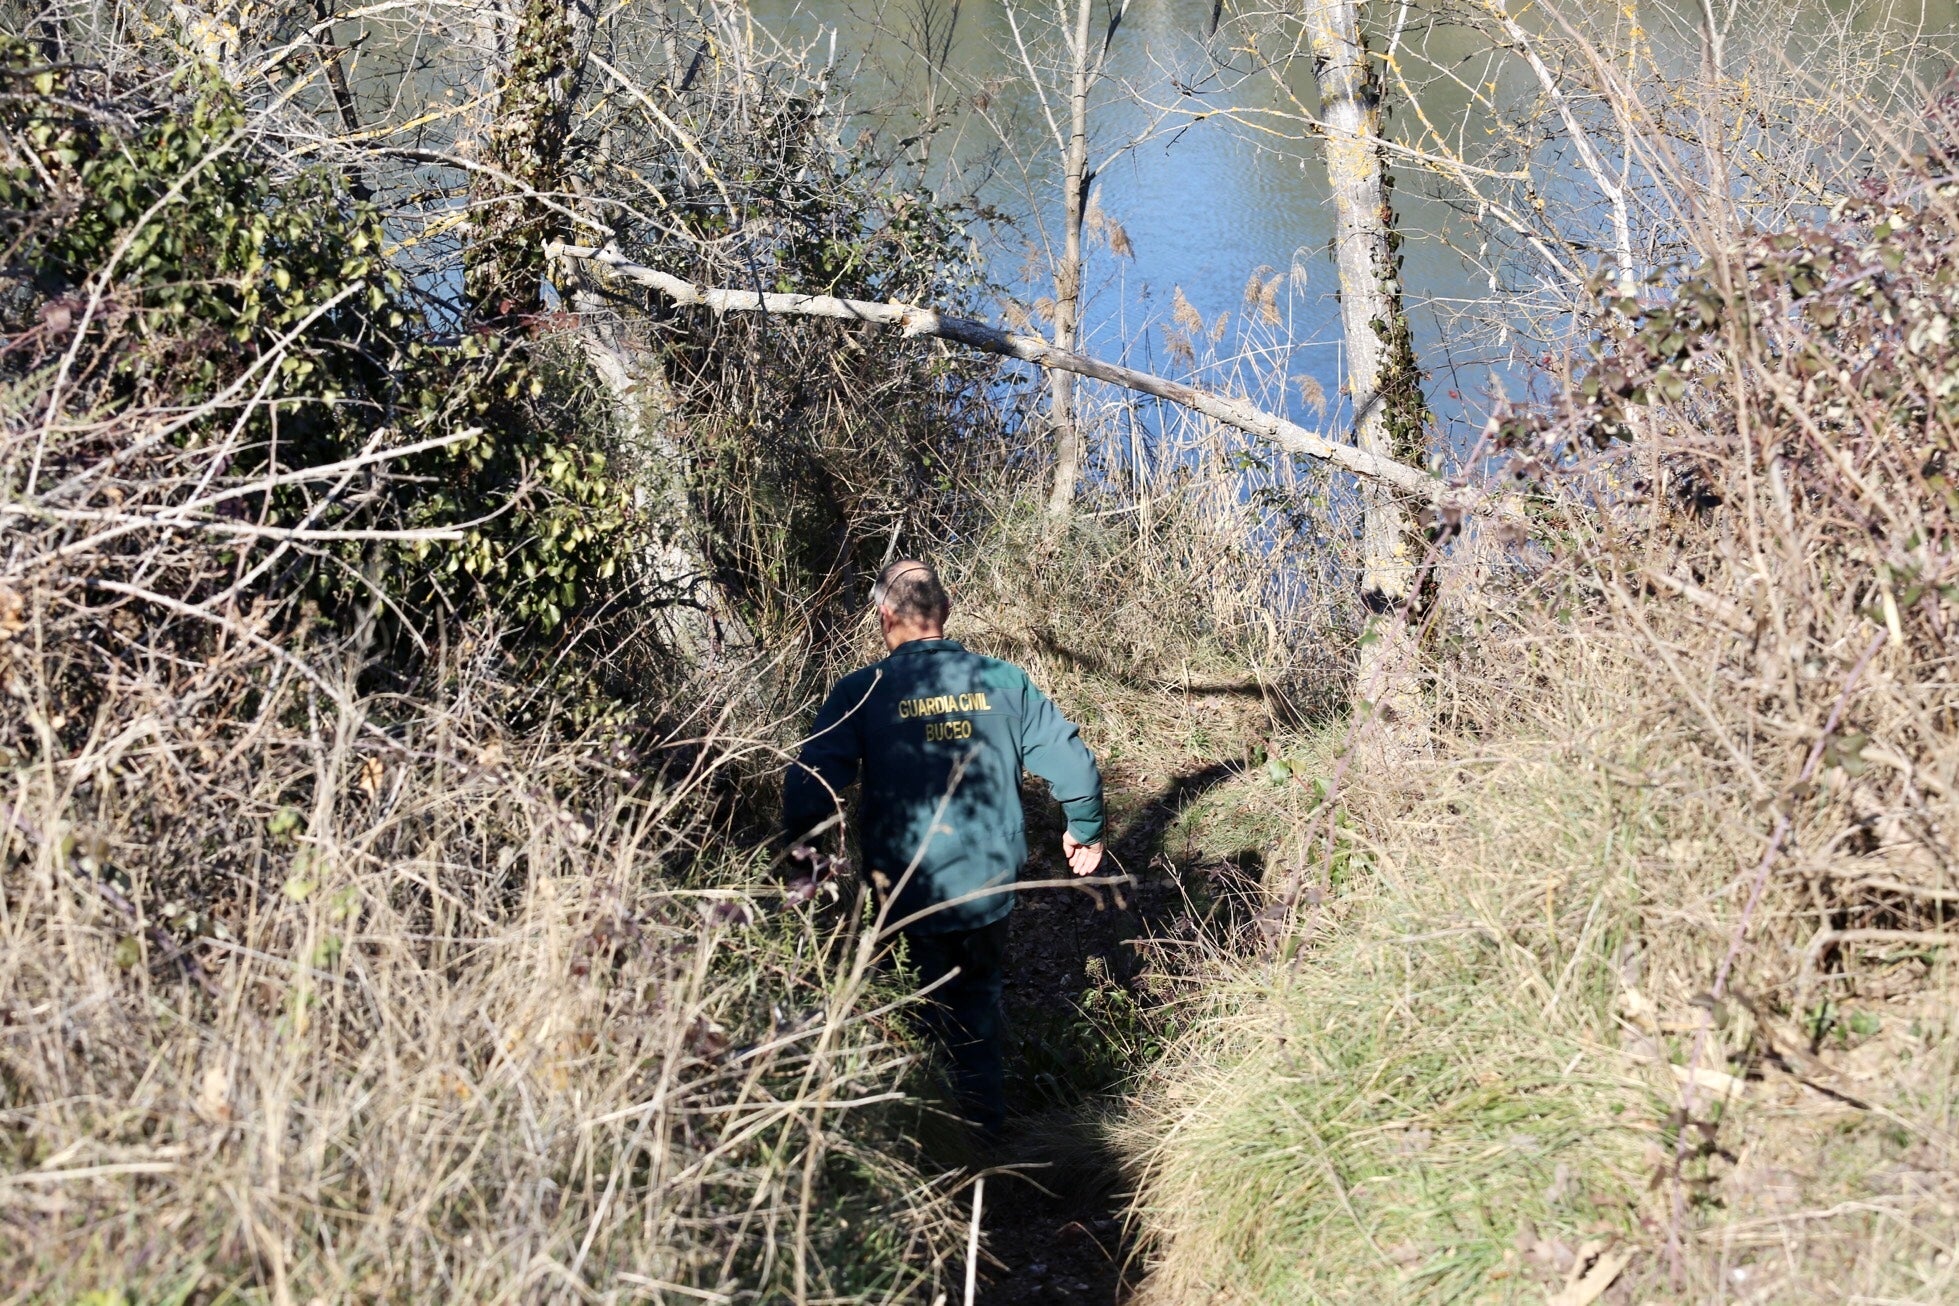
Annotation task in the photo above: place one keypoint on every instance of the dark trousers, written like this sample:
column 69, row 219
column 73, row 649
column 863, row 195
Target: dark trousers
column 964, row 1014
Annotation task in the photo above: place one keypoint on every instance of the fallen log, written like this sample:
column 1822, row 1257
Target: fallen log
column 913, row 321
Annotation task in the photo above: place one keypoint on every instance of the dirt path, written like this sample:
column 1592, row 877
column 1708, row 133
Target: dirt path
column 1053, row 1228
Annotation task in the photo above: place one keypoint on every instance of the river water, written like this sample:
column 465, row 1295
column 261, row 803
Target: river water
column 1203, row 205
column 1206, row 200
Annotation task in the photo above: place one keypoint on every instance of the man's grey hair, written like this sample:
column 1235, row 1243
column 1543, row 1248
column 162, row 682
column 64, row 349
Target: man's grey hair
column 911, row 591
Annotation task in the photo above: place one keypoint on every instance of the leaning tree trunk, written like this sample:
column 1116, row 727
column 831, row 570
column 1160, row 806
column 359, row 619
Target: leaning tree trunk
column 913, row 321
column 1382, row 380
column 1068, row 276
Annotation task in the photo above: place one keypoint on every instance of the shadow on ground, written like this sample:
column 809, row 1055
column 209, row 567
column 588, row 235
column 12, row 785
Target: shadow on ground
column 1052, row 1217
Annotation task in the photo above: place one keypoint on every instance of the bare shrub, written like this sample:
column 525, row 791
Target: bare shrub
column 380, row 913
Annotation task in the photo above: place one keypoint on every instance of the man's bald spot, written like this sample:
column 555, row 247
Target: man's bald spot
column 912, row 592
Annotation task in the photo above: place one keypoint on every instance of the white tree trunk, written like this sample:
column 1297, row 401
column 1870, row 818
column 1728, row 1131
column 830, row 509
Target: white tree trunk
column 1068, row 274
column 1381, row 377
column 697, row 622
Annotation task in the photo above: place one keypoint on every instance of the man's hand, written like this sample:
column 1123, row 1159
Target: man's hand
column 1083, row 858
column 810, row 871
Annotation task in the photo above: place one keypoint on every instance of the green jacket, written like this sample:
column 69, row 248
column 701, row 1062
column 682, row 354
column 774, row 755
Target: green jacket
column 939, row 737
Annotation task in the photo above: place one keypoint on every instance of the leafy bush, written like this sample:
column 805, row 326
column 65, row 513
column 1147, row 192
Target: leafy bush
column 179, row 287
column 1836, row 349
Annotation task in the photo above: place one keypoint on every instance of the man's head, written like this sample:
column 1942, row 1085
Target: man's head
column 911, row 602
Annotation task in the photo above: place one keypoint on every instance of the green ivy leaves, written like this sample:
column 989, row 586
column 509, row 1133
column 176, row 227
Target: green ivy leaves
column 211, row 259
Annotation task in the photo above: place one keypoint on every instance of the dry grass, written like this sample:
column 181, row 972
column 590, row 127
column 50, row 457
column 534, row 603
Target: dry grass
column 435, row 1013
column 359, row 938
column 1467, row 1057
column 330, row 979
column 1648, row 970
column 1458, row 1070
column 348, row 952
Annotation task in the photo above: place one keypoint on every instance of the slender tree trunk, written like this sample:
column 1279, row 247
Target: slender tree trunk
column 1068, row 275
column 1382, row 381
column 342, row 93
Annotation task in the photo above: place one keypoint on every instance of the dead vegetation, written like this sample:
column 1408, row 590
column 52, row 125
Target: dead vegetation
column 336, row 1002
column 1635, row 982
column 383, row 913
column 385, row 906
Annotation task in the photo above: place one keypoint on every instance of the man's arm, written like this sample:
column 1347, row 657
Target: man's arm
column 827, row 763
column 1052, row 748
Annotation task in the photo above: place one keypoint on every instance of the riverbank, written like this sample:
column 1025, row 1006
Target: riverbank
column 1462, row 1072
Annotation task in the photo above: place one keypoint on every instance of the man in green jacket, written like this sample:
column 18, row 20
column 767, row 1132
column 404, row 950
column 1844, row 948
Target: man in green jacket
column 939, row 737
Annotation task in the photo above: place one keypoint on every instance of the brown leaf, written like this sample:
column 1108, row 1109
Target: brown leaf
column 1586, row 1288
column 707, row 1039
column 13, row 618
